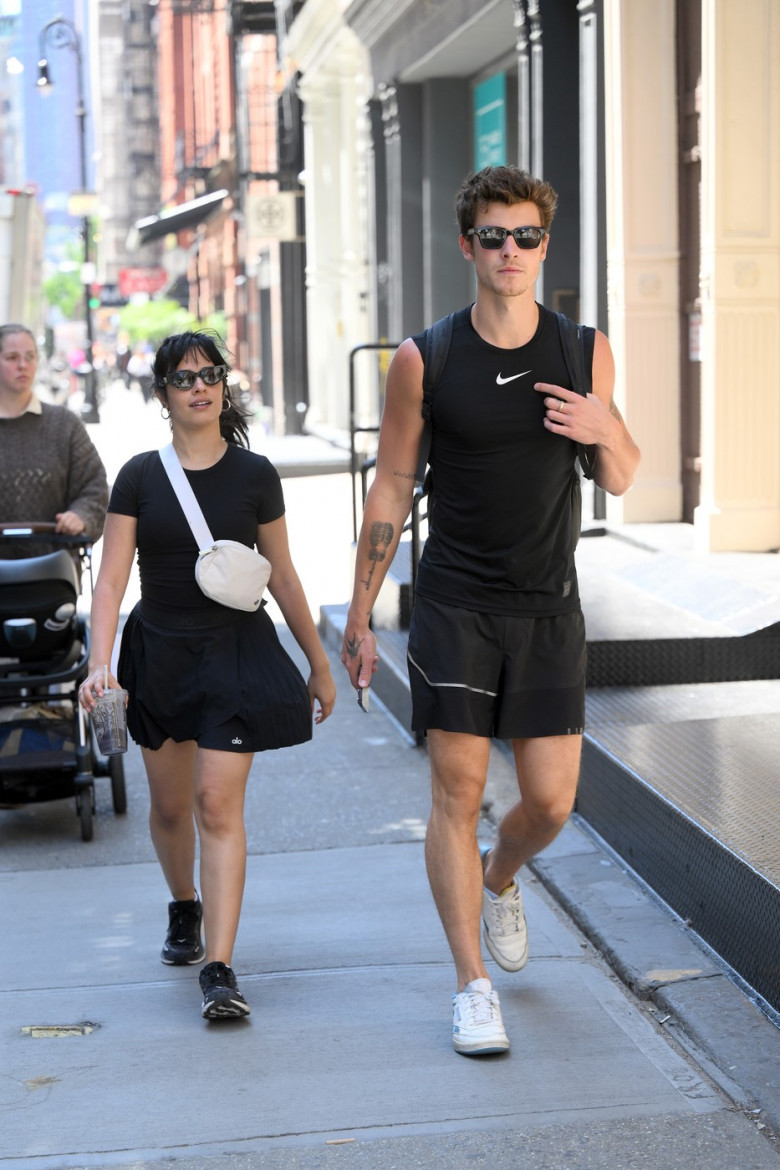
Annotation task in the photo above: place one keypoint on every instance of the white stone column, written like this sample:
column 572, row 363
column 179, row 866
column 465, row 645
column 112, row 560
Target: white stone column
column 642, row 247
column 334, row 88
column 740, row 277
column 336, row 239
column 323, row 242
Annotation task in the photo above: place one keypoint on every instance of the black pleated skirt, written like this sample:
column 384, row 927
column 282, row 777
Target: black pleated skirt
column 185, row 679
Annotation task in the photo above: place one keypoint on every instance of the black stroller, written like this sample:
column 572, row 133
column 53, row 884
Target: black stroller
column 47, row 745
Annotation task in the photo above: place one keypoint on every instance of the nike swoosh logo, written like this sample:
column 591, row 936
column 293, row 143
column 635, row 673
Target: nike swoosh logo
column 503, row 381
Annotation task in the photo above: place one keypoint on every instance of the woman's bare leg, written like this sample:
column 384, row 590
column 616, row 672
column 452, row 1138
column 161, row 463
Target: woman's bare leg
column 170, row 772
column 220, row 788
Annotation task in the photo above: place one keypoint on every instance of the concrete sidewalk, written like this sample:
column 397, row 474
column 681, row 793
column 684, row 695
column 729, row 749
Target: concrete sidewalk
column 346, row 1060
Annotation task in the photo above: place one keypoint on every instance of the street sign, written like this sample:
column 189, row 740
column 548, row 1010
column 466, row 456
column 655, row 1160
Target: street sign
column 272, row 217
column 141, row 280
column 110, row 296
column 82, row 203
column 490, row 122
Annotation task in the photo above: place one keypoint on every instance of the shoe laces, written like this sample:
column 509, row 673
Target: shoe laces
column 184, row 921
column 479, row 1006
column 219, row 975
column 508, row 914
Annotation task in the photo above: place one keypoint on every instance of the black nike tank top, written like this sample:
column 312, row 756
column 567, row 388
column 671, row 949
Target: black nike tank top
column 504, row 519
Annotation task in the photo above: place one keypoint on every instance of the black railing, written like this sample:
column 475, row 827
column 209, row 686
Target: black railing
column 355, row 430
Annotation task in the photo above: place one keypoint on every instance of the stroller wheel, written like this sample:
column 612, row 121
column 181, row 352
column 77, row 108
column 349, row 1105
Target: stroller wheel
column 85, row 806
column 116, row 771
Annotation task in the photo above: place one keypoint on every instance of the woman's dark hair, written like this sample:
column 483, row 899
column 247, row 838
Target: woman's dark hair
column 233, row 424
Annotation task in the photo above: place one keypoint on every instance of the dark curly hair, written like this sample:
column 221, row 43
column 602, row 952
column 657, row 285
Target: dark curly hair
column 233, row 424
column 502, row 185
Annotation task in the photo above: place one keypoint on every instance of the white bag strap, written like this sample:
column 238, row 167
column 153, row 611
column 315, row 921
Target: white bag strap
column 186, row 496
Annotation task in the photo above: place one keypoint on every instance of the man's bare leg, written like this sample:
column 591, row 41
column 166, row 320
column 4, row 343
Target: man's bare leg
column 547, row 772
column 458, row 774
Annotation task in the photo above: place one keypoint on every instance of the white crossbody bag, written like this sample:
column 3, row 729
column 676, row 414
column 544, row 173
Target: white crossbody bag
column 226, row 570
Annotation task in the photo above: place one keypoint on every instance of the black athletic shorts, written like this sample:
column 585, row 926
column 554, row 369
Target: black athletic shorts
column 494, row 675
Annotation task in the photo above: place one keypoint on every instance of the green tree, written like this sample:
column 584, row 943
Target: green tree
column 64, row 291
column 154, row 320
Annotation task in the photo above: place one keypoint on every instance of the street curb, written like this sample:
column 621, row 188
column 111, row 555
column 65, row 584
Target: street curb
column 665, row 964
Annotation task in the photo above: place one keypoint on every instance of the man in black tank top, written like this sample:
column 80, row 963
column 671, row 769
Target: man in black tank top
column 497, row 640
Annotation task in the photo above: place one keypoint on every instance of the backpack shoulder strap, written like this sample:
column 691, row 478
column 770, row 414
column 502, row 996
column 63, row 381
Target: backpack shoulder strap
column 437, row 346
column 577, row 342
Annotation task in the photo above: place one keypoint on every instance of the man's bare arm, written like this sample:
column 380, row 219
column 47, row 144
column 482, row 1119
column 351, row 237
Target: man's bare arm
column 595, row 422
column 387, row 505
column 617, row 455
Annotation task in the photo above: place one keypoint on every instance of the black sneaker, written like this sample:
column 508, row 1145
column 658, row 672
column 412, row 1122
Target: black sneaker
column 221, row 998
column 183, row 942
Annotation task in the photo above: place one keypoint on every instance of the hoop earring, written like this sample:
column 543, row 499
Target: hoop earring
column 163, row 414
column 226, row 404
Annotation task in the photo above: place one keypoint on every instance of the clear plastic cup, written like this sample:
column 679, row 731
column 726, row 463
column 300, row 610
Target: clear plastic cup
column 109, row 718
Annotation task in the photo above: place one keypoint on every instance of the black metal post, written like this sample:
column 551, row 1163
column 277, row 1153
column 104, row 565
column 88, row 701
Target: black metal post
column 354, row 429
column 63, row 34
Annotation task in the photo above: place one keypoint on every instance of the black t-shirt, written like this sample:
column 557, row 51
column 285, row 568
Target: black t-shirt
column 505, row 518
column 239, row 492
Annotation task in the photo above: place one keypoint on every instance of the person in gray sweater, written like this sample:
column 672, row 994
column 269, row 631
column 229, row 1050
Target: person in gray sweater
column 49, row 468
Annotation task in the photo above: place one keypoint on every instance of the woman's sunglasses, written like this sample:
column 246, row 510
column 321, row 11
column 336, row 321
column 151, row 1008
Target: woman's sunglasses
column 493, row 238
column 185, row 379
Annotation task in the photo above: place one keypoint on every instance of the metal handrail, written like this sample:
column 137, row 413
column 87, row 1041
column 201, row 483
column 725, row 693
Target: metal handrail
column 353, row 428
column 366, row 466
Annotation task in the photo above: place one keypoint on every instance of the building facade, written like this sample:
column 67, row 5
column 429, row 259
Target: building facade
column 227, row 221
column 125, row 100
column 43, row 124
column 656, row 121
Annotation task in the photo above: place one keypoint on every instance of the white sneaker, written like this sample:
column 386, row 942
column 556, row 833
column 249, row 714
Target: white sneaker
column 477, row 1027
column 505, row 930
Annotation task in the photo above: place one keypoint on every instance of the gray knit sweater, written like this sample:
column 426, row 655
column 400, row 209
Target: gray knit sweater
column 48, row 464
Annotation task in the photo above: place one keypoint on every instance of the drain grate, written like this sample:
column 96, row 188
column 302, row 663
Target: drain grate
column 52, row 1031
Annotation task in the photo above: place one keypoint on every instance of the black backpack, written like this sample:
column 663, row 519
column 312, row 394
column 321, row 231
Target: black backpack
column 577, row 342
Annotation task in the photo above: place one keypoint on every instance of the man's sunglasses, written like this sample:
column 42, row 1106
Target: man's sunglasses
column 493, row 238
column 185, row 379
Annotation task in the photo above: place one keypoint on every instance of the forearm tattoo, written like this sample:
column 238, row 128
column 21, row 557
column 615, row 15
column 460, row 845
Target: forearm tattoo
column 613, row 410
column 380, row 536
column 352, row 646
column 404, row 474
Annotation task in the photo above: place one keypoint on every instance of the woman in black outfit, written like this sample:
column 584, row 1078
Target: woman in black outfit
column 208, row 685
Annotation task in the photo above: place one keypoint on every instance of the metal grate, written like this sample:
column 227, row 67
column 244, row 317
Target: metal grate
column 693, row 807
column 664, row 661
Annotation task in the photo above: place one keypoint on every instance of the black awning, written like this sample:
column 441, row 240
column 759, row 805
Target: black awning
column 176, row 219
